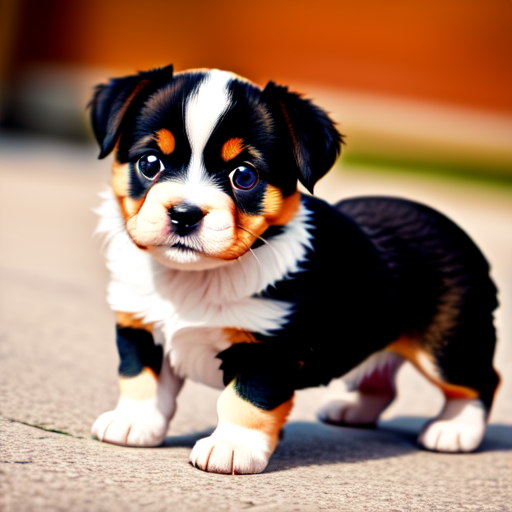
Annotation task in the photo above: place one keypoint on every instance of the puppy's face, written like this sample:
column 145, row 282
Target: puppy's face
column 193, row 171
column 204, row 162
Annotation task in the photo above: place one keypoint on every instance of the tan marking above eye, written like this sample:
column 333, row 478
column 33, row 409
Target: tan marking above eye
column 231, row 148
column 166, row 141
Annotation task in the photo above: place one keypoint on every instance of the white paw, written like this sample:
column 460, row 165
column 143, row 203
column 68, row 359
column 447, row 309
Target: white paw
column 358, row 409
column 459, row 428
column 219, row 456
column 232, row 450
column 132, row 423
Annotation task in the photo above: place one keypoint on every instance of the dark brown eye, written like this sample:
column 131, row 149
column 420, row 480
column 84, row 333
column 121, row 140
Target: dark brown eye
column 244, row 178
column 149, row 166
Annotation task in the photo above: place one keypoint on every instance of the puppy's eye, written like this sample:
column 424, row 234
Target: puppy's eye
column 149, row 166
column 244, row 178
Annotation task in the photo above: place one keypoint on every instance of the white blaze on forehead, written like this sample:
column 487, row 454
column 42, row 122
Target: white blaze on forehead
column 202, row 113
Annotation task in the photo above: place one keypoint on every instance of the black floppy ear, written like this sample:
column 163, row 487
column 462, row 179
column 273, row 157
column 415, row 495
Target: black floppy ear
column 316, row 144
column 112, row 102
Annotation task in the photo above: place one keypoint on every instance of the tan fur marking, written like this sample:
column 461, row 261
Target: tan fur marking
column 234, row 336
column 272, row 202
column 129, row 320
column 424, row 362
column 141, row 387
column 129, row 209
column 120, row 178
column 231, row 149
column 166, row 141
column 121, row 188
column 250, row 227
column 130, row 206
column 278, row 210
column 120, row 185
column 147, row 218
column 233, row 409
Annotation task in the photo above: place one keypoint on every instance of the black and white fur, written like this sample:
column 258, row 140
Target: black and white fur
column 349, row 289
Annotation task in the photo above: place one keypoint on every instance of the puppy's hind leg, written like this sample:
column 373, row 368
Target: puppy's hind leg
column 468, row 382
column 373, row 389
column 148, row 389
column 459, row 427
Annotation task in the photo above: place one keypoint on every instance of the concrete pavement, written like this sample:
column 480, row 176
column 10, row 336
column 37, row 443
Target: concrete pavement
column 58, row 372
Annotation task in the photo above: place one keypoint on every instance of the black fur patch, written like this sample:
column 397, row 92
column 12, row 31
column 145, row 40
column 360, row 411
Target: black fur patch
column 393, row 266
column 246, row 119
column 442, row 284
column 263, row 390
column 264, row 375
column 379, row 268
column 137, row 351
column 114, row 104
column 308, row 140
column 136, row 107
column 163, row 109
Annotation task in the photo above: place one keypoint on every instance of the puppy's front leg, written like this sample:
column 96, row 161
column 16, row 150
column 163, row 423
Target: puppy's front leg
column 148, row 389
column 251, row 415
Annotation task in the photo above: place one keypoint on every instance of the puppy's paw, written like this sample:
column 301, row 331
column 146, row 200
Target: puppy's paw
column 356, row 410
column 459, row 428
column 232, row 450
column 219, row 456
column 139, row 425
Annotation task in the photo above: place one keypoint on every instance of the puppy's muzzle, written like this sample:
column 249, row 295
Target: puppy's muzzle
column 185, row 218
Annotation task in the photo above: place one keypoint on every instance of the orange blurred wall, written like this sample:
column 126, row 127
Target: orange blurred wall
column 456, row 51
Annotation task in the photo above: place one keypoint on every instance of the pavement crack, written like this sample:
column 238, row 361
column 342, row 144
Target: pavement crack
column 41, row 426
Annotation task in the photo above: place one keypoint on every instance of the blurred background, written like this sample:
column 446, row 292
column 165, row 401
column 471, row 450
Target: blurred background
column 413, row 84
column 422, row 89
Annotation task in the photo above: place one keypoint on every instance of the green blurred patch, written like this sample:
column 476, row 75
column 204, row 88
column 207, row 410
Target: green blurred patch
column 493, row 175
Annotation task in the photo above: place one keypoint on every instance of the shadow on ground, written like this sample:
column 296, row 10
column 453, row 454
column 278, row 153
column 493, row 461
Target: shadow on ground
column 497, row 436
column 310, row 444
column 185, row 440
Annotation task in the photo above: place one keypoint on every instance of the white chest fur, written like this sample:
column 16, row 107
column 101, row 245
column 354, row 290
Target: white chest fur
column 190, row 308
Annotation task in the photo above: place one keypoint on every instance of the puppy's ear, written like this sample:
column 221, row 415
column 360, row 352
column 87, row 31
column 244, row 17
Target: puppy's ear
column 315, row 142
column 113, row 102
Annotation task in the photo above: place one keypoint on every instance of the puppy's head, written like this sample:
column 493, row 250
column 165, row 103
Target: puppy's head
column 205, row 161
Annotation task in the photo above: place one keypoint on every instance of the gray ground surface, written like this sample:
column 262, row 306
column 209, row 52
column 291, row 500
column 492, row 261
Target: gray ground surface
column 58, row 371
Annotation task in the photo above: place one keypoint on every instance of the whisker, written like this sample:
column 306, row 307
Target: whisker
column 259, row 238
column 246, row 246
column 252, row 252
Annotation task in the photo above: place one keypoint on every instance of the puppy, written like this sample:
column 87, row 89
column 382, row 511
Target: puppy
column 223, row 273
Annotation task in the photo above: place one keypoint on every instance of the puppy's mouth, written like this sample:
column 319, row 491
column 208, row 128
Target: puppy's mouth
column 183, row 254
column 183, row 247
column 179, row 244
column 194, row 242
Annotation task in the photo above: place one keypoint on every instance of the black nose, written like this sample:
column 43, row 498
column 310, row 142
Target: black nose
column 184, row 217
